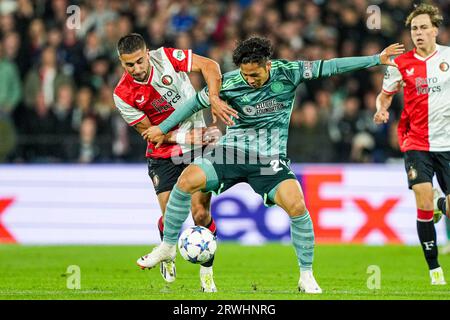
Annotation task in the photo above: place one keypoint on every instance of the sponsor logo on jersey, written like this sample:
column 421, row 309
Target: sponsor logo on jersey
column 410, row 72
column 179, row 55
column 166, row 80
column 141, row 100
column 427, row 85
column 444, row 66
column 263, row 107
column 277, row 87
column 387, row 75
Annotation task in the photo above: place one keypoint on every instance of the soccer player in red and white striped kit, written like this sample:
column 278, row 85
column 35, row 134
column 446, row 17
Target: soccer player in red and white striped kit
column 153, row 85
column 424, row 126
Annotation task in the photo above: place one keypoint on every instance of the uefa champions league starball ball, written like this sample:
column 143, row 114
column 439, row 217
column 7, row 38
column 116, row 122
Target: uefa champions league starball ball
column 197, row 244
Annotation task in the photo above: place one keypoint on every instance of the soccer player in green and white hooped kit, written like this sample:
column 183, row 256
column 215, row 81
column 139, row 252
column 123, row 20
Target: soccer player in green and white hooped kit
column 253, row 150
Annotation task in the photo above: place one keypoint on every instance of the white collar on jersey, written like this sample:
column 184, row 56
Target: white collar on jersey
column 427, row 57
column 151, row 72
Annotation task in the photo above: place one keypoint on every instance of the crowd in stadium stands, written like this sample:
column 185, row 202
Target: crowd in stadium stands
column 56, row 82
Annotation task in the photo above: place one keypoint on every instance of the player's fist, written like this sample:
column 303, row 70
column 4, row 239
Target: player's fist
column 153, row 134
column 382, row 116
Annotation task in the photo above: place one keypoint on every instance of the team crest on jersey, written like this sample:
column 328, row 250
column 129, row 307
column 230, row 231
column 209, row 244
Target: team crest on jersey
column 387, row 75
column 179, row 55
column 166, row 80
column 412, row 173
column 249, row 110
column 444, row 66
column 277, row 87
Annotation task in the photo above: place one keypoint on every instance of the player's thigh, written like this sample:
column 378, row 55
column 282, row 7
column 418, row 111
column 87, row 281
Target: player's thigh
column 442, row 168
column 419, row 167
column 164, row 175
column 265, row 177
column 289, row 196
column 192, row 179
column 423, row 193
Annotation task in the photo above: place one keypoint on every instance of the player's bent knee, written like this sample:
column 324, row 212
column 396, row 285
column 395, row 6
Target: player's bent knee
column 200, row 214
column 296, row 209
column 190, row 182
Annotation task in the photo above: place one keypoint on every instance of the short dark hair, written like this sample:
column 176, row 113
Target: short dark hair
column 130, row 43
column 432, row 11
column 253, row 50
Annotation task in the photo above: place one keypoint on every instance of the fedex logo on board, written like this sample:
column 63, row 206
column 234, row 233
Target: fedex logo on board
column 324, row 207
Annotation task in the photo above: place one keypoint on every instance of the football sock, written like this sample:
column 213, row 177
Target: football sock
column 302, row 234
column 161, row 227
column 211, row 227
column 177, row 212
column 427, row 237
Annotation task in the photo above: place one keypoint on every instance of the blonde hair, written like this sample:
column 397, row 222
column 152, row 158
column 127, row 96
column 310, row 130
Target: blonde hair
column 432, row 11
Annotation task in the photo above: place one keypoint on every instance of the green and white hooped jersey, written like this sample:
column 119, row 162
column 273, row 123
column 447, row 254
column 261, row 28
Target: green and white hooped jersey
column 264, row 112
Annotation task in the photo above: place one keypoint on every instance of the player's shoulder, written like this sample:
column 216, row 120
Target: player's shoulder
column 443, row 49
column 285, row 64
column 124, row 86
column 232, row 79
column 404, row 57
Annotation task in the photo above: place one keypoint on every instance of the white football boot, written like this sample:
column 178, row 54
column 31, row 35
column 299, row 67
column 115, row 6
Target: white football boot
column 207, row 279
column 168, row 270
column 437, row 276
column 307, row 283
column 162, row 253
column 437, row 215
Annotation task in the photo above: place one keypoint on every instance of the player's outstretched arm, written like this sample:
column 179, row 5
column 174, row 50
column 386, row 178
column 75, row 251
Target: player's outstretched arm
column 343, row 65
column 181, row 113
column 213, row 78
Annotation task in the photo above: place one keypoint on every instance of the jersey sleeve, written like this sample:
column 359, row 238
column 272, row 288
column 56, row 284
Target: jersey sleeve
column 181, row 60
column 203, row 97
column 299, row 71
column 392, row 78
column 131, row 115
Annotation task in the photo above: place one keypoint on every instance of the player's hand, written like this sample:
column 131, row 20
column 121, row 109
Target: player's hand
column 195, row 136
column 221, row 110
column 212, row 135
column 381, row 116
column 388, row 54
column 153, row 134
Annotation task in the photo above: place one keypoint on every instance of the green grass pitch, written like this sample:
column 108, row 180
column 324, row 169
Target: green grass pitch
column 241, row 272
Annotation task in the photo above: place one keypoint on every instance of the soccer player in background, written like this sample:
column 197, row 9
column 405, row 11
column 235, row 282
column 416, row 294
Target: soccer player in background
column 254, row 149
column 424, row 126
column 153, row 85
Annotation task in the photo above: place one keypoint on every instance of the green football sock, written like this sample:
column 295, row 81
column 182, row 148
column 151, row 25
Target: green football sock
column 302, row 234
column 177, row 212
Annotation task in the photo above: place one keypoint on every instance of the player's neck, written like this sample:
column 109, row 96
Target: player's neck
column 425, row 52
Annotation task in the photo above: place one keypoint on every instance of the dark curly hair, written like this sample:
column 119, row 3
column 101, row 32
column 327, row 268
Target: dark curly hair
column 253, row 50
column 130, row 43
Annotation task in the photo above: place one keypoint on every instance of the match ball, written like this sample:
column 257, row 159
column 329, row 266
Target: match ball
column 197, row 244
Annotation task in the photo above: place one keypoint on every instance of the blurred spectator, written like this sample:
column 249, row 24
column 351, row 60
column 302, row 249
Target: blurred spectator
column 45, row 79
column 311, row 142
column 10, row 95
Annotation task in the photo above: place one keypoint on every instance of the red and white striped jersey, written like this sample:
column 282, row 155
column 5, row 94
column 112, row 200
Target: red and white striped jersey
column 425, row 121
column 167, row 88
